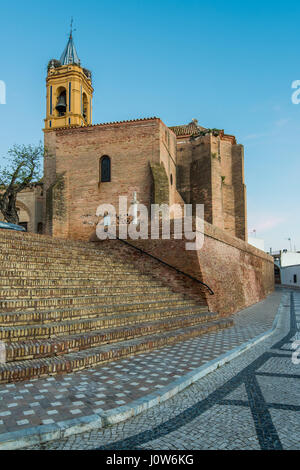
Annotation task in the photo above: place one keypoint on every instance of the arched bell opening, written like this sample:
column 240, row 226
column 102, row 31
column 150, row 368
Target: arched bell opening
column 61, row 102
column 85, row 106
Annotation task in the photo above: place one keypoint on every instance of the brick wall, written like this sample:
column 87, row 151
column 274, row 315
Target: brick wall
column 49, row 178
column 241, row 228
column 210, row 171
column 75, row 153
column 183, row 169
column 239, row 274
column 168, row 150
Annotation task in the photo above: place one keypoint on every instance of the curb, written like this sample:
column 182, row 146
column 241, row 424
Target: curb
column 45, row 433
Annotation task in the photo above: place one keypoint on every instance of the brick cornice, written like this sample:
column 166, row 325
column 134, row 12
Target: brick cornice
column 101, row 125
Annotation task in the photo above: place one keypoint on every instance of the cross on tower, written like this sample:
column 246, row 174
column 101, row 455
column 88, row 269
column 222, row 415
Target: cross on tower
column 71, row 27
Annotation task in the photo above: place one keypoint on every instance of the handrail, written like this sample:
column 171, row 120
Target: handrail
column 166, row 264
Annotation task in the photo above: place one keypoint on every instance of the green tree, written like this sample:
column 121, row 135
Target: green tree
column 22, row 169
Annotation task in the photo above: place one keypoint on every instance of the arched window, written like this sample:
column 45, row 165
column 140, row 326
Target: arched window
column 61, row 101
column 85, row 106
column 105, row 169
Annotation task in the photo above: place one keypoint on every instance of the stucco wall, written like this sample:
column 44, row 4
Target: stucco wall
column 287, row 275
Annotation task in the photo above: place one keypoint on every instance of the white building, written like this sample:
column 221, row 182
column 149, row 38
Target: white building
column 289, row 258
column 287, row 271
column 290, row 275
column 257, row 242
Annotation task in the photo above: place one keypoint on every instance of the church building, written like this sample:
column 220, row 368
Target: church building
column 86, row 165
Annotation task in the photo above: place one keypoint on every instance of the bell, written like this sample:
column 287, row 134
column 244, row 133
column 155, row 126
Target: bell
column 61, row 104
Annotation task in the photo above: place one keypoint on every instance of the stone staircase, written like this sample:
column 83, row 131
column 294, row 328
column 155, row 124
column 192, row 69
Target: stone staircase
column 67, row 305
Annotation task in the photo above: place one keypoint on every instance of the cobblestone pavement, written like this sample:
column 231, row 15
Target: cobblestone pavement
column 250, row 403
column 55, row 399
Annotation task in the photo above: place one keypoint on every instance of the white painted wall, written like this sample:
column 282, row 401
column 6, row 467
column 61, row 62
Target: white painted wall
column 287, row 275
column 290, row 258
column 257, row 242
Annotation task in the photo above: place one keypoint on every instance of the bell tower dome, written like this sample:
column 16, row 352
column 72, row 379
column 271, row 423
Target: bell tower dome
column 69, row 91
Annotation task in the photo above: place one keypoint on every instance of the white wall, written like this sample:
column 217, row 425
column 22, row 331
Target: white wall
column 287, row 275
column 290, row 258
column 257, row 242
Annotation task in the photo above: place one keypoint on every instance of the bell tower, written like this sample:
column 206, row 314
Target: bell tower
column 69, row 91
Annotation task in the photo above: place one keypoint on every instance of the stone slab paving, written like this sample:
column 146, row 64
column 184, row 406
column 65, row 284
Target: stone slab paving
column 55, row 399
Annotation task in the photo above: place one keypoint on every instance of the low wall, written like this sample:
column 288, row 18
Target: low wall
column 239, row 274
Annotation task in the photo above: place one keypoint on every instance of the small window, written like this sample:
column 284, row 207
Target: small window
column 295, row 278
column 171, row 179
column 105, row 169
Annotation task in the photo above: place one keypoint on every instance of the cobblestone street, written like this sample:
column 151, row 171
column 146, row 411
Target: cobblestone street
column 250, row 403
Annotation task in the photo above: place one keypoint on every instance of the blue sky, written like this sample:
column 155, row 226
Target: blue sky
column 227, row 63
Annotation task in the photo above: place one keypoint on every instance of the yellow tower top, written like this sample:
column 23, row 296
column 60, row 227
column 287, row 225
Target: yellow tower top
column 69, row 91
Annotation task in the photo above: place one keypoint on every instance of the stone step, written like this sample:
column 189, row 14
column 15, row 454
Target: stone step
column 59, row 315
column 113, row 299
column 66, row 305
column 28, row 249
column 51, row 246
column 61, row 261
column 55, row 346
column 38, row 282
column 58, row 291
column 65, row 273
column 29, row 369
column 83, row 325
column 30, row 239
column 68, row 268
column 66, row 252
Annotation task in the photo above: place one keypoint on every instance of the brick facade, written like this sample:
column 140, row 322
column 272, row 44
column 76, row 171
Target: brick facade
column 146, row 157
column 210, row 170
column 143, row 159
